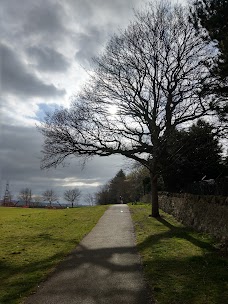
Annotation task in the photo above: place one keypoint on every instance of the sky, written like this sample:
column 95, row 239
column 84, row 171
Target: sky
column 45, row 56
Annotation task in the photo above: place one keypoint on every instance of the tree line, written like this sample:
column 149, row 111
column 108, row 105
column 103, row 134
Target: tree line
column 50, row 196
column 163, row 74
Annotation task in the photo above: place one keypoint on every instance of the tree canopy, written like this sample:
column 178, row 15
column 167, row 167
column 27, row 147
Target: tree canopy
column 154, row 75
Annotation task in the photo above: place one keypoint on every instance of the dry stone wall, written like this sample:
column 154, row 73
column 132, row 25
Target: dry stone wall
column 203, row 213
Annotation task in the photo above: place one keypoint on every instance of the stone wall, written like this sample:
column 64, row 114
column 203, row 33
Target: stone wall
column 203, row 213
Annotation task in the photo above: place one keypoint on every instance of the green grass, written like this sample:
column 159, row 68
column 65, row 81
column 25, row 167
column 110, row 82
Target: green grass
column 34, row 241
column 181, row 265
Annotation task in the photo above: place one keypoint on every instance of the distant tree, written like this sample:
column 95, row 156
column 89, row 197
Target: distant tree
column 114, row 191
column 154, row 74
column 102, row 196
column 25, row 195
column 138, row 183
column 49, row 196
column 72, row 196
column 90, row 199
column 117, row 188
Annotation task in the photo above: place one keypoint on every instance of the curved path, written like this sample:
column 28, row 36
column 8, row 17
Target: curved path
column 104, row 268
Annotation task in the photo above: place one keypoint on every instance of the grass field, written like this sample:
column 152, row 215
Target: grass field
column 182, row 266
column 33, row 241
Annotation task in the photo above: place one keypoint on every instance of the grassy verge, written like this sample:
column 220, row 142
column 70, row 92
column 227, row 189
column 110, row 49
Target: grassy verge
column 182, row 266
column 33, row 241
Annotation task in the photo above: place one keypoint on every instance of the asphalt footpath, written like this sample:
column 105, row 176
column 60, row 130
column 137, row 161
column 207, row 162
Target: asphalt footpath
column 104, row 268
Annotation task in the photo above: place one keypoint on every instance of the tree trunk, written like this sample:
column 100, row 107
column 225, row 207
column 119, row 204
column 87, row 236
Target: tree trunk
column 72, row 205
column 154, row 195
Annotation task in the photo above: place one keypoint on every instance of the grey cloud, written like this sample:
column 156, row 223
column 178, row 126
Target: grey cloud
column 99, row 21
column 89, row 45
column 20, row 164
column 48, row 59
column 45, row 17
column 97, row 11
column 55, row 22
column 16, row 79
column 75, row 25
column 42, row 21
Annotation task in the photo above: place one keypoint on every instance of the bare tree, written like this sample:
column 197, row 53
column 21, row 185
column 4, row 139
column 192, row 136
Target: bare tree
column 72, row 196
column 25, row 195
column 90, row 199
column 49, row 196
column 153, row 74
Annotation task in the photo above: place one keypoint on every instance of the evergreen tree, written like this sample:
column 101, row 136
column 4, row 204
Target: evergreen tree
column 213, row 16
column 111, row 192
column 117, row 188
column 193, row 154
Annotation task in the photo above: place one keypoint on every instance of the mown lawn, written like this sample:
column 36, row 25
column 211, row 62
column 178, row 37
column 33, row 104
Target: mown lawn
column 181, row 265
column 33, row 241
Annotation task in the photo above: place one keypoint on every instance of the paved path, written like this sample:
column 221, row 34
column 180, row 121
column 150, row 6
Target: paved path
column 103, row 269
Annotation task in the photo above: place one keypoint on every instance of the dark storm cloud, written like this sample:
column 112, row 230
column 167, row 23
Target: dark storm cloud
column 17, row 79
column 48, row 59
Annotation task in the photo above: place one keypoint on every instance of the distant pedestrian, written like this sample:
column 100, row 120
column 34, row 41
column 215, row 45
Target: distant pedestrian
column 121, row 200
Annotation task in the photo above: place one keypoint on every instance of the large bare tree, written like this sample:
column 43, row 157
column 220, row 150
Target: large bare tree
column 152, row 75
column 72, row 196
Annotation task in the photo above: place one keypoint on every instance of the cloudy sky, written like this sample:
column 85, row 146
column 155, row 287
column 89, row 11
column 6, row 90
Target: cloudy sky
column 45, row 52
